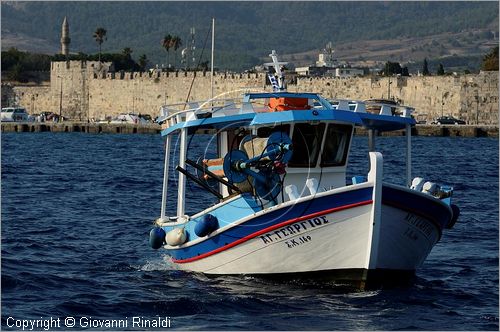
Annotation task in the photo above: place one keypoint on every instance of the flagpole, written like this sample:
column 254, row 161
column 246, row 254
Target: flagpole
column 212, row 63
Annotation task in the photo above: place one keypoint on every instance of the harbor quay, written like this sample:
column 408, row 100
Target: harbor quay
column 153, row 128
column 80, row 127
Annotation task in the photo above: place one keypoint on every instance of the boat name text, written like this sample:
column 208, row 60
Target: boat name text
column 421, row 224
column 294, row 230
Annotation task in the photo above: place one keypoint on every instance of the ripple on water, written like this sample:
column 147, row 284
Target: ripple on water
column 77, row 209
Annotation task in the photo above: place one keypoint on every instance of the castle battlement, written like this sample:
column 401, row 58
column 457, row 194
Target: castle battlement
column 91, row 89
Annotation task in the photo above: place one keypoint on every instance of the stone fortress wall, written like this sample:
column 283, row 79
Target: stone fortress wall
column 88, row 93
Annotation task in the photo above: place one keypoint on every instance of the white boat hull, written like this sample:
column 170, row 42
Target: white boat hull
column 341, row 243
column 323, row 247
column 351, row 232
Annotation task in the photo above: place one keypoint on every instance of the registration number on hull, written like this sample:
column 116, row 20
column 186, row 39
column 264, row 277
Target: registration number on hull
column 419, row 224
column 293, row 234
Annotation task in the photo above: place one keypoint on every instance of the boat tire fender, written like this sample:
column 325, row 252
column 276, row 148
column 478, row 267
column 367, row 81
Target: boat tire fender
column 176, row 237
column 206, row 225
column 156, row 237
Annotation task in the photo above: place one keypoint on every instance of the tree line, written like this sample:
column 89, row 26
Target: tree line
column 18, row 64
column 489, row 63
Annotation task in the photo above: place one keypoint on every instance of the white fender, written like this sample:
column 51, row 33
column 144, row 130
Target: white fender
column 176, row 237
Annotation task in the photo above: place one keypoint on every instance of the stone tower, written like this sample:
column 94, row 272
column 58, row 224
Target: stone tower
column 65, row 40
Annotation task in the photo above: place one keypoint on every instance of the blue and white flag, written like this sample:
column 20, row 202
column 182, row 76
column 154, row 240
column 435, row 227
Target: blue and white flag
column 274, row 82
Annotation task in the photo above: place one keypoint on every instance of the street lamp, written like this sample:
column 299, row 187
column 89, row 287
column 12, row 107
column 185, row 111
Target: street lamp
column 60, row 98
column 389, row 89
column 477, row 108
column 442, row 104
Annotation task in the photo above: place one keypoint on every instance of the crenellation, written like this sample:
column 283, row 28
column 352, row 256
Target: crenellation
column 87, row 89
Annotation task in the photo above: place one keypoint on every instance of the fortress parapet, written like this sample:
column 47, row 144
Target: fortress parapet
column 84, row 90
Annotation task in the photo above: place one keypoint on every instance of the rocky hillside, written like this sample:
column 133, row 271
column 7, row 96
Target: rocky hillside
column 247, row 31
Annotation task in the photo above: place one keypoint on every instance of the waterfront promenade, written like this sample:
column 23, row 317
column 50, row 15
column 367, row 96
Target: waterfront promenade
column 125, row 128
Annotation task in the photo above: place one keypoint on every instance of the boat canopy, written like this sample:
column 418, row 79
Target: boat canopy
column 283, row 107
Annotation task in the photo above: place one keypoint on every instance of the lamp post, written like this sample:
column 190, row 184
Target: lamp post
column 477, row 108
column 60, row 98
column 442, row 104
column 32, row 103
column 389, row 89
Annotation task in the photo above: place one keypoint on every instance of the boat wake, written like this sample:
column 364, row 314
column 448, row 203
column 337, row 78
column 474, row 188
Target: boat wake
column 162, row 264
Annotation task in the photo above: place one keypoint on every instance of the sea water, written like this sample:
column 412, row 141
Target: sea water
column 77, row 208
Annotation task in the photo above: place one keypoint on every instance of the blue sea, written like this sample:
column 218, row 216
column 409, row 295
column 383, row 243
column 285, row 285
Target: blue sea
column 77, row 209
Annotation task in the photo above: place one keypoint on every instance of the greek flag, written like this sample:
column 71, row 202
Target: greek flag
column 274, row 82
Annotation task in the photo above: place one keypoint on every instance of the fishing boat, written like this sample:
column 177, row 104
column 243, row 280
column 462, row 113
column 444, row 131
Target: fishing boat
column 283, row 206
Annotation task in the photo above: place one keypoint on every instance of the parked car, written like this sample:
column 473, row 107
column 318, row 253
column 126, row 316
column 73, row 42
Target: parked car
column 51, row 117
column 14, row 114
column 129, row 118
column 445, row 120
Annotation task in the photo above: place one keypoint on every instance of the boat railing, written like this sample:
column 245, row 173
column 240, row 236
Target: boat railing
column 172, row 114
column 373, row 107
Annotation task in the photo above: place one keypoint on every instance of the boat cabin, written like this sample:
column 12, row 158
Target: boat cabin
column 320, row 132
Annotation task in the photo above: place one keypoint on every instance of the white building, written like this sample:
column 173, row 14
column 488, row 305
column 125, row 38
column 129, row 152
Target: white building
column 326, row 65
column 326, row 60
column 348, row 72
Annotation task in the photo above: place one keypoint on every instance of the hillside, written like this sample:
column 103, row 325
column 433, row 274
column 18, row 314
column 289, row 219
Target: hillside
column 247, row 31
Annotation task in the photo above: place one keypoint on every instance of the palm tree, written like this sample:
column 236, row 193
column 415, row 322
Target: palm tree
column 176, row 43
column 127, row 52
column 100, row 37
column 167, row 43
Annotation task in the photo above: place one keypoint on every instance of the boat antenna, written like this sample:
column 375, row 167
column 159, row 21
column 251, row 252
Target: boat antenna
column 279, row 84
column 197, row 66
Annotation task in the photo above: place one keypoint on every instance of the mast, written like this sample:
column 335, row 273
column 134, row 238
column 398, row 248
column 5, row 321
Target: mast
column 212, row 62
column 278, row 85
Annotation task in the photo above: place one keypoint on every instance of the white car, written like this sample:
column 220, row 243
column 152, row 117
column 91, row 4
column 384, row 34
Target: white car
column 129, row 118
column 14, row 114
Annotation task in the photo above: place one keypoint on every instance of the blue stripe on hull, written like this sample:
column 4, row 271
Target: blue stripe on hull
column 428, row 208
column 272, row 218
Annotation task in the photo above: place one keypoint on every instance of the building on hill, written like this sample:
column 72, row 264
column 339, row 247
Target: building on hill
column 328, row 66
column 326, row 58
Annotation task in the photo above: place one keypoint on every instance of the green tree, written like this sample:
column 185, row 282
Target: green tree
column 17, row 73
column 440, row 70
column 166, row 42
column 392, row 68
column 204, row 66
column 176, row 43
column 143, row 62
column 490, row 60
column 100, row 37
column 425, row 68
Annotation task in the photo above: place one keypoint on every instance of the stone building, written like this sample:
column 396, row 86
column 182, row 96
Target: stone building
column 88, row 90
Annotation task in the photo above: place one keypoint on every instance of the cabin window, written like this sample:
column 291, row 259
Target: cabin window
column 267, row 131
column 336, row 145
column 234, row 138
column 306, row 144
